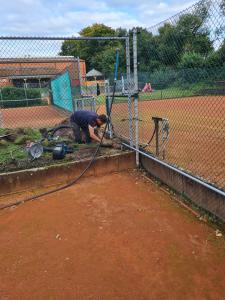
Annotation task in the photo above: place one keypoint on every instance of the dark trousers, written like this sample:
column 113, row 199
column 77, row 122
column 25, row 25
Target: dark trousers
column 77, row 131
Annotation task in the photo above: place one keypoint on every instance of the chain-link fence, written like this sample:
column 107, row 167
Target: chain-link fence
column 43, row 81
column 181, row 81
column 170, row 102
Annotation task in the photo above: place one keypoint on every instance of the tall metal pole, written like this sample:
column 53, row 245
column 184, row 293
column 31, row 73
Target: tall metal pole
column 135, row 59
column 136, row 95
column 108, row 104
column 128, row 56
column 79, row 74
column 136, row 128
column 25, row 90
column 129, row 86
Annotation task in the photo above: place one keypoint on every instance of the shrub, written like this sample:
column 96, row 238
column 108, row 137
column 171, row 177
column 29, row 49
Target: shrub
column 192, row 60
column 8, row 94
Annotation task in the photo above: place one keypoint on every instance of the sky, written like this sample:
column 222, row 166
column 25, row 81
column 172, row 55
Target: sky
column 68, row 17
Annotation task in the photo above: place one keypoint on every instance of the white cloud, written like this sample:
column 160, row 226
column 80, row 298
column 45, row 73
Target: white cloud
column 67, row 17
column 160, row 11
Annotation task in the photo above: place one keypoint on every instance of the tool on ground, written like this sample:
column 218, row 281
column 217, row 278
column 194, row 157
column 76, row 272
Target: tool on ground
column 59, row 151
column 35, row 150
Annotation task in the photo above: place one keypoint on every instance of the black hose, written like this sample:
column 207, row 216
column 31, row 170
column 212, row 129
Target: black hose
column 77, row 178
column 53, row 130
column 149, row 142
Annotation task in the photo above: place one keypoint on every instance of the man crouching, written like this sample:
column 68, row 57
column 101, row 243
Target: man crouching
column 86, row 121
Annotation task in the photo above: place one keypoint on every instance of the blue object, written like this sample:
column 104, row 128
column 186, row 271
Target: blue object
column 84, row 118
column 117, row 65
column 61, row 92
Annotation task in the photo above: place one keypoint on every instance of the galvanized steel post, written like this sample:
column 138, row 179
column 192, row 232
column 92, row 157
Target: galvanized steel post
column 136, row 95
column 136, row 128
column 129, row 91
column 128, row 56
column 135, row 60
column 79, row 75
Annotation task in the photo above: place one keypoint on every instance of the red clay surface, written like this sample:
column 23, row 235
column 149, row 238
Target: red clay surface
column 36, row 117
column 112, row 237
column 196, row 142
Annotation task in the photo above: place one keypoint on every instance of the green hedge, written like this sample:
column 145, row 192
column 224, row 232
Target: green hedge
column 10, row 96
column 168, row 77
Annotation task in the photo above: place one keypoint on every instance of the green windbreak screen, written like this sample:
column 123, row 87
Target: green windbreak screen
column 61, row 91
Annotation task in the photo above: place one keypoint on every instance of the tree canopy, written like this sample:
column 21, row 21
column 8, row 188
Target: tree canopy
column 186, row 43
column 97, row 54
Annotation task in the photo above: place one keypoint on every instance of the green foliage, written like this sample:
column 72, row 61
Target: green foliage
column 105, row 60
column 180, row 52
column 13, row 93
column 92, row 51
column 32, row 134
column 21, row 139
column 11, row 151
column 2, row 131
column 147, row 47
column 192, row 60
column 16, row 149
column 216, row 58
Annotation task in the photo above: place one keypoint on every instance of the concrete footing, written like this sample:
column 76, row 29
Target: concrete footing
column 21, row 181
column 197, row 193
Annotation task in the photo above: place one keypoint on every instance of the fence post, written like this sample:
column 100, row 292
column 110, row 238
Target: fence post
column 130, row 118
column 136, row 94
column 25, row 89
column 79, row 74
column 135, row 59
column 128, row 56
column 129, row 90
column 108, row 104
column 136, row 128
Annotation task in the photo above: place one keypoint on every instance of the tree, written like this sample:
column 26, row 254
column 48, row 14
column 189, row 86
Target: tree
column 222, row 7
column 217, row 58
column 148, row 58
column 193, row 35
column 88, row 50
column 170, row 45
column 192, row 60
column 164, row 50
column 105, row 60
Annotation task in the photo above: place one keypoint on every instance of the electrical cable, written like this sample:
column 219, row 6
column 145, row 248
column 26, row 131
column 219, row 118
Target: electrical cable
column 90, row 162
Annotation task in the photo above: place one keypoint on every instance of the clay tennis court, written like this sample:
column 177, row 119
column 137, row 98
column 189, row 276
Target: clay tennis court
column 196, row 141
column 115, row 236
column 35, row 117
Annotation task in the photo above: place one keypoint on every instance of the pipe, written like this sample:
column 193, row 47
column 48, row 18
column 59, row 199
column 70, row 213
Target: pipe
column 61, row 38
